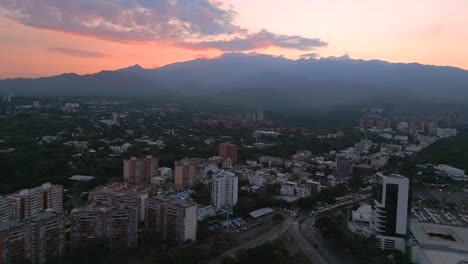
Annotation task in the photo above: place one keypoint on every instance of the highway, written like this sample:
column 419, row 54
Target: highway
column 306, row 247
column 272, row 235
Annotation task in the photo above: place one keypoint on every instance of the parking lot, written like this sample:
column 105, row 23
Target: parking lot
column 235, row 225
column 439, row 216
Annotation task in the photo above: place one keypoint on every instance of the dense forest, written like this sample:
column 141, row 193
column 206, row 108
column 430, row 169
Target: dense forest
column 451, row 151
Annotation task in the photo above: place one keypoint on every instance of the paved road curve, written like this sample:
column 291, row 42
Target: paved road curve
column 308, row 249
column 272, row 235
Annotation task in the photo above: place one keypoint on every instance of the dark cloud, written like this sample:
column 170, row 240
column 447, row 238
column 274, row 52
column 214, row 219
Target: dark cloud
column 126, row 20
column 195, row 24
column 261, row 39
column 77, row 52
column 310, row 56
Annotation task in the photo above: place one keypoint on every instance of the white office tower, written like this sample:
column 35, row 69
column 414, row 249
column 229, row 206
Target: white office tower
column 390, row 212
column 224, row 190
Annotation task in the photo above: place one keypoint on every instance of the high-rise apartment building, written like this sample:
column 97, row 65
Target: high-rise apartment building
column 344, row 167
column 224, row 190
column 32, row 201
column 140, row 170
column 16, row 242
column 176, row 219
column 186, row 173
column 228, row 151
column 92, row 223
column 122, row 195
column 32, row 240
column 49, row 235
column 8, row 209
column 390, row 211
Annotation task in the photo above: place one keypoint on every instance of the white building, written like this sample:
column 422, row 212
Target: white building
column 454, row 173
column 292, row 189
column 259, row 133
column 257, row 180
column 224, row 190
column 360, row 221
column 204, row 212
column 363, row 145
column 446, row 132
column 379, row 160
column 72, row 105
column 390, row 212
column 165, row 172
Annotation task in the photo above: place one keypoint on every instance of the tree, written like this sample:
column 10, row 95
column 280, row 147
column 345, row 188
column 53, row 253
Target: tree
column 278, row 218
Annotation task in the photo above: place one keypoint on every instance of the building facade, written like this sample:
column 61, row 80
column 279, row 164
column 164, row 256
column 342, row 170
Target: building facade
column 175, row 219
column 49, row 235
column 224, row 190
column 16, row 242
column 32, row 240
column 140, row 170
column 186, row 173
column 228, row 151
column 293, row 189
column 31, row 202
column 8, row 209
column 122, row 195
column 390, row 211
column 344, row 167
column 92, row 223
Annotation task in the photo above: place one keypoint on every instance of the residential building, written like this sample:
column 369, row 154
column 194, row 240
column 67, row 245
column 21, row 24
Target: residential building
column 224, row 190
column 446, row 132
column 314, row 186
column 379, row 160
column 175, row 219
column 122, row 195
column 140, row 170
column 32, row 201
column 270, row 160
column 204, row 212
column 293, row 189
column 390, row 211
column 49, row 235
column 228, row 151
column 186, row 173
column 8, row 209
column 92, row 223
column 165, row 172
column 344, row 167
column 16, row 242
column 257, row 180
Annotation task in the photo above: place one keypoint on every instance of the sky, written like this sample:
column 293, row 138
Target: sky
column 49, row 37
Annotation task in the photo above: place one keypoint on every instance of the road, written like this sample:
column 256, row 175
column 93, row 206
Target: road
column 271, row 235
column 308, row 231
column 306, row 247
column 302, row 234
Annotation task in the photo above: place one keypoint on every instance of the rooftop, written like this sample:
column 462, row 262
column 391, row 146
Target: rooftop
column 44, row 186
column 81, row 178
column 261, row 212
column 121, row 187
column 441, row 237
column 174, row 201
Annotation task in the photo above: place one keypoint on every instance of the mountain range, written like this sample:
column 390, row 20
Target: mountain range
column 261, row 80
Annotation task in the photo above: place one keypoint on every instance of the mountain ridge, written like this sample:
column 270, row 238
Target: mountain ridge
column 214, row 77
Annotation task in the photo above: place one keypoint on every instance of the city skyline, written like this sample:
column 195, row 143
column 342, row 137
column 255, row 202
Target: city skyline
column 87, row 37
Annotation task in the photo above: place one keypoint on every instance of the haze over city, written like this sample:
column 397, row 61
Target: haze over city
column 90, row 36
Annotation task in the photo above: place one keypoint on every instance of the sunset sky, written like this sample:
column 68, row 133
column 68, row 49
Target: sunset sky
column 48, row 37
